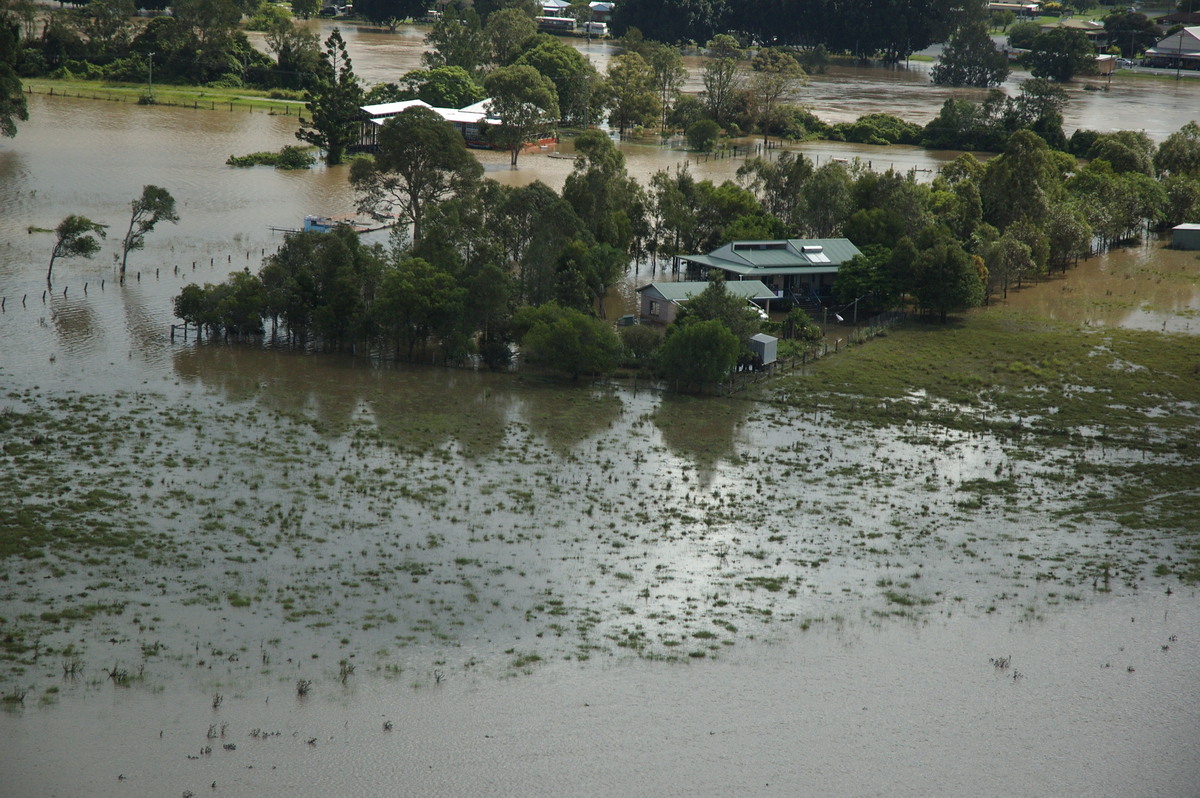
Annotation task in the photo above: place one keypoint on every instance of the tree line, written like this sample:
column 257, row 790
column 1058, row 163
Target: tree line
column 887, row 29
column 200, row 43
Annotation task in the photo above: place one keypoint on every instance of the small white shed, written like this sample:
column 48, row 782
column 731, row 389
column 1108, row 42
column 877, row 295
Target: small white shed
column 1185, row 236
column 764, row 346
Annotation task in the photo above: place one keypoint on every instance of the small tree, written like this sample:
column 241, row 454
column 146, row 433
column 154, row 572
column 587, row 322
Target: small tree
column 703, row 134
column 566, row 340
column 699, row 353
column 154, row 206
column 74, row 239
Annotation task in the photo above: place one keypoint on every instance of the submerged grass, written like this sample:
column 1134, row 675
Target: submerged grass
column 999, row 370
column 386, row 526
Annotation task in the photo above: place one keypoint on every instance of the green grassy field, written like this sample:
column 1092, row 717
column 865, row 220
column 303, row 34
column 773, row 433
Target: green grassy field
column 198, row 97
column 997, row 366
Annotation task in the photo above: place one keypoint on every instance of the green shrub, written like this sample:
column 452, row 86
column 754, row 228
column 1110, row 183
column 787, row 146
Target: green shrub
column 703, row 135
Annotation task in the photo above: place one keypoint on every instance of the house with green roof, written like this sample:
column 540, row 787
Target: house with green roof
column 659, row 303
column 800, row 269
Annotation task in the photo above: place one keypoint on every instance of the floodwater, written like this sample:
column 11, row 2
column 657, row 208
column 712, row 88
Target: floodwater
column 545, row 589
column 844, row 93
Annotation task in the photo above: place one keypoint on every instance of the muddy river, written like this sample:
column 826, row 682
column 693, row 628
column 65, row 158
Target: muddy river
column 268, row 572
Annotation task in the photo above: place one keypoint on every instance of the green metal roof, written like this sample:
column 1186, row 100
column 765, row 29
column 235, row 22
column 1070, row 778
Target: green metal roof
column 789, row 256
column 683, row 291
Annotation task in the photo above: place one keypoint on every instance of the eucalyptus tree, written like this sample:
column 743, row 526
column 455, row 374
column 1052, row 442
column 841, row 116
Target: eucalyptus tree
column 526, row 104
column 458, row 40
column 75, row 237
column 506, row 30
column 575, row 79
column 722, row 81
column 777, row 76
column 669, row 74
column 422, row 159
column 632, row 98
column 609, row 201
column 155, row 205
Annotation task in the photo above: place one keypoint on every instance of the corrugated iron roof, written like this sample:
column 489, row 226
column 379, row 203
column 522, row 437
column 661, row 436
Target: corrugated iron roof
column 684, row 290
column 762, row 258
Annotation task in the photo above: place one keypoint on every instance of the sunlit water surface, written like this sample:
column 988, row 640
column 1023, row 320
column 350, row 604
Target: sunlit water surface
column 855, row 705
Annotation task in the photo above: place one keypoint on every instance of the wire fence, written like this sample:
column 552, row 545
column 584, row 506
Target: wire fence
column 877, row 325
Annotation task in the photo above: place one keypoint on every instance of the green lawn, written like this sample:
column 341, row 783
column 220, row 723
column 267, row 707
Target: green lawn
column 199, row 97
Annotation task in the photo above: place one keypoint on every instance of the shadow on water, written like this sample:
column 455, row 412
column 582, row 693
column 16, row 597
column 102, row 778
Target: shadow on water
column 702, row 430
column 77, row 324
column 565, row 415
column 413, row 407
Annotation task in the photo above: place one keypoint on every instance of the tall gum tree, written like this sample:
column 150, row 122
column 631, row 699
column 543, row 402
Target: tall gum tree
column 777, row 77
column 422, row 159
column 525, row 102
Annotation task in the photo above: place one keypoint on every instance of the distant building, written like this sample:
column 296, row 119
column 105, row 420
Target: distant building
column 1021, row 10
column 471, row 122
column 1181, row 49
column 1094, row 31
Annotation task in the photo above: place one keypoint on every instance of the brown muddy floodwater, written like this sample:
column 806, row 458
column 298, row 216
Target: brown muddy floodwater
column 540, row 589
column 1158, row 106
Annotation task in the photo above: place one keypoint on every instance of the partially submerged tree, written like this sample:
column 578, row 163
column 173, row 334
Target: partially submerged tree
column 567, row 340
column 333, row 103
column 722, row 81
column 154, row 206
column 421, row 159
column 971, row 58
column 776, row 78
column 525, row 102
column 1061, row 54
column 632, row 97
column 699, row 353
column 669, row 75
column 74, row 239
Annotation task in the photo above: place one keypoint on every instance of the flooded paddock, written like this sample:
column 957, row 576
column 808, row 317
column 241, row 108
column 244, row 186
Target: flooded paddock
column 497, row 584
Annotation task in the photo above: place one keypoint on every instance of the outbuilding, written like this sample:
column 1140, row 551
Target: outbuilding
column 659, row 303
column 1185, row 236
column 764, row 348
